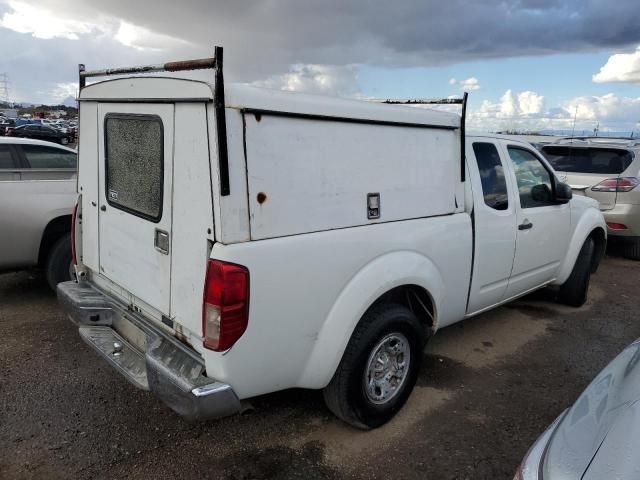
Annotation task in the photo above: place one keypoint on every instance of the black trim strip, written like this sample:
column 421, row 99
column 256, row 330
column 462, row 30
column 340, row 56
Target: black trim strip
column 329, row 118
column 221, row 125
column 463, row 135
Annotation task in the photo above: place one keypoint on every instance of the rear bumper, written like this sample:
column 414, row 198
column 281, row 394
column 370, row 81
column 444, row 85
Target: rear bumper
column 626, row 214
column 146, row 356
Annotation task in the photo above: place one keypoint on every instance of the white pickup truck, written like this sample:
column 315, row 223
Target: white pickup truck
column 235, row 243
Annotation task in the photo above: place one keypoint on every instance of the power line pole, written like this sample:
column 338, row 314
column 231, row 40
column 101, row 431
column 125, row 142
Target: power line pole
column 4, row 88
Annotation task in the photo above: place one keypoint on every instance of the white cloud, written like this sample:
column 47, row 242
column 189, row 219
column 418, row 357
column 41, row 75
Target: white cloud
column 468, row 85
column 48, row 24
column 311, row 78
column 527, row 111
column 25, row 18
column 621, row 67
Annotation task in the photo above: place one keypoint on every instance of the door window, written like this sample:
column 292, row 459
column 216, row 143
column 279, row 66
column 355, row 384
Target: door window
column 6, row 159
column 49, row 157
column 494, row 185
column 134, row 163
column 534, row 180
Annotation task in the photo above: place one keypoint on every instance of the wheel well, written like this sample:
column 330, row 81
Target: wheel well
column 600, row 241
column 416, row 299
column 55, row 229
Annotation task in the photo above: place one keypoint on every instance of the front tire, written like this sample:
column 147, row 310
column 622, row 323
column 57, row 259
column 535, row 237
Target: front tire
column 379, row 367
column 573, row 292
column 59, row 262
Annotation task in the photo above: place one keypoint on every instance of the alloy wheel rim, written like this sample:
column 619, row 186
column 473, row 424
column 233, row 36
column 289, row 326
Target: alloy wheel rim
column 387, row 368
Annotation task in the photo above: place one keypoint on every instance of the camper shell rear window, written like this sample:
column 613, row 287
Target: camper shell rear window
column 134, row 164
column 609, row 161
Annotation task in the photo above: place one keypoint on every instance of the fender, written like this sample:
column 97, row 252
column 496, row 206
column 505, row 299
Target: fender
column 372, row 281
column 590, row 219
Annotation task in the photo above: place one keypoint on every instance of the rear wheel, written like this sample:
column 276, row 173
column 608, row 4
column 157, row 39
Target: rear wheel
column 379, row 367
column 573, row 292
column 59, row 264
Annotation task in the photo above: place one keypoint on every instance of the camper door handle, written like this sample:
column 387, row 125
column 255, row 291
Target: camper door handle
column 161, row 241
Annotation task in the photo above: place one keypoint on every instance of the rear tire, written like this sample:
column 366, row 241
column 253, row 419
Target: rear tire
column 631, row 249
column 387, row 337
column 573, row 292
column 58, row 265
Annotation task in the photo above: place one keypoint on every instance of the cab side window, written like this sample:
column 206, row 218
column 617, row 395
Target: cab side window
column 49, row 157
column 534, row 180
column 6, row 158
column 494, row 185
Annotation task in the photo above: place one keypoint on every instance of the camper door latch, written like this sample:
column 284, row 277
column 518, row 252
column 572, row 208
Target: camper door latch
column 373, row 205
column 161, row 241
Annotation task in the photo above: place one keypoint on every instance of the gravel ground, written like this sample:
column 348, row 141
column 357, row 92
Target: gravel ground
column 488, row 388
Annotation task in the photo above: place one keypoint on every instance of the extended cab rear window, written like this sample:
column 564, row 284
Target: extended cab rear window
column 609, row 161
column 134, row 163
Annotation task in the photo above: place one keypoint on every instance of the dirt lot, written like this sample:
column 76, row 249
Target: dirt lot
column 489, row 386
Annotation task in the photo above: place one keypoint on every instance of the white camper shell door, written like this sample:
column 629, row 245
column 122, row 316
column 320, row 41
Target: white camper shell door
column 135, row 150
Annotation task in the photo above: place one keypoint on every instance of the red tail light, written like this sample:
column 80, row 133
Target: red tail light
column 225, row 309
column 73, row 235
column 616, row 226
column 622, row 184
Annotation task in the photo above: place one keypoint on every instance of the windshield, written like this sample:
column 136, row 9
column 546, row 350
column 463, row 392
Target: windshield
column 609, row 161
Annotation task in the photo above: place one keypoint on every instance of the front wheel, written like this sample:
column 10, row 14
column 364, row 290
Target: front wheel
column 379, row 367
column 573, row 292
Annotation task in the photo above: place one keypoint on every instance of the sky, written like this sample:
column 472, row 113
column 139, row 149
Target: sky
column 527, row 64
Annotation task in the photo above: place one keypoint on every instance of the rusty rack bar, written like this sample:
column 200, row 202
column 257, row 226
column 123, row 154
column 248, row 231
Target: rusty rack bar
column 214, row 63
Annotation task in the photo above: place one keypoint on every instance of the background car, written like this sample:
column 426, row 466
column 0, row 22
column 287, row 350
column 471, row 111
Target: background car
column 40, row 132
column 599, row 436
column 6, row 124
column 609, row 171
column 37, row 197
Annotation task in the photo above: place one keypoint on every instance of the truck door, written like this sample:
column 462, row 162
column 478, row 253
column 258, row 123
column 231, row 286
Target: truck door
column 543, row 226
column 494, row 218
column 135, row 164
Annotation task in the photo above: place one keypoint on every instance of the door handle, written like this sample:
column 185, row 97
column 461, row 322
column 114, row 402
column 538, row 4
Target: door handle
column 525, row 226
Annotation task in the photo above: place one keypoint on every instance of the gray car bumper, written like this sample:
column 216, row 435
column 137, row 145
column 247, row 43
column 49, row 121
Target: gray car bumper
column 145, row 355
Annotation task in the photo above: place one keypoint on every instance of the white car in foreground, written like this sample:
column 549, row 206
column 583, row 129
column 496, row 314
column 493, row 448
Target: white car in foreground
column 37, row 197
column 331, row 239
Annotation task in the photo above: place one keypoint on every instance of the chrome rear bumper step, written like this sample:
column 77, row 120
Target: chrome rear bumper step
column 153, row 360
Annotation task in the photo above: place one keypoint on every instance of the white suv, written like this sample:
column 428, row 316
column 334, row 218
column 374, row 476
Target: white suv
column 37, row 196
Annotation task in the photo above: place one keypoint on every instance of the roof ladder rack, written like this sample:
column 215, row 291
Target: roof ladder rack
column 214, row 63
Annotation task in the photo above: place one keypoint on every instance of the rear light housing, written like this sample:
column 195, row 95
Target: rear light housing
column 622, row 184
column 225, row 307
column 616, row 226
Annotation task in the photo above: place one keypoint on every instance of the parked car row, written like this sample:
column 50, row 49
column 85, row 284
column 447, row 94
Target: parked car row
column 58, row 131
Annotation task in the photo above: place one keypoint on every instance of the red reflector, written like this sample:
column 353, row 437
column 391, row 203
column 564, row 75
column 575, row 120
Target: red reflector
column 616, row 226
column 225, row 309
column 73, row 234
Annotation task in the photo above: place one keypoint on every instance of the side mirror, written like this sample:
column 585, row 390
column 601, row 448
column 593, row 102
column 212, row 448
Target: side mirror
column 541, row 193
column 563, row 193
